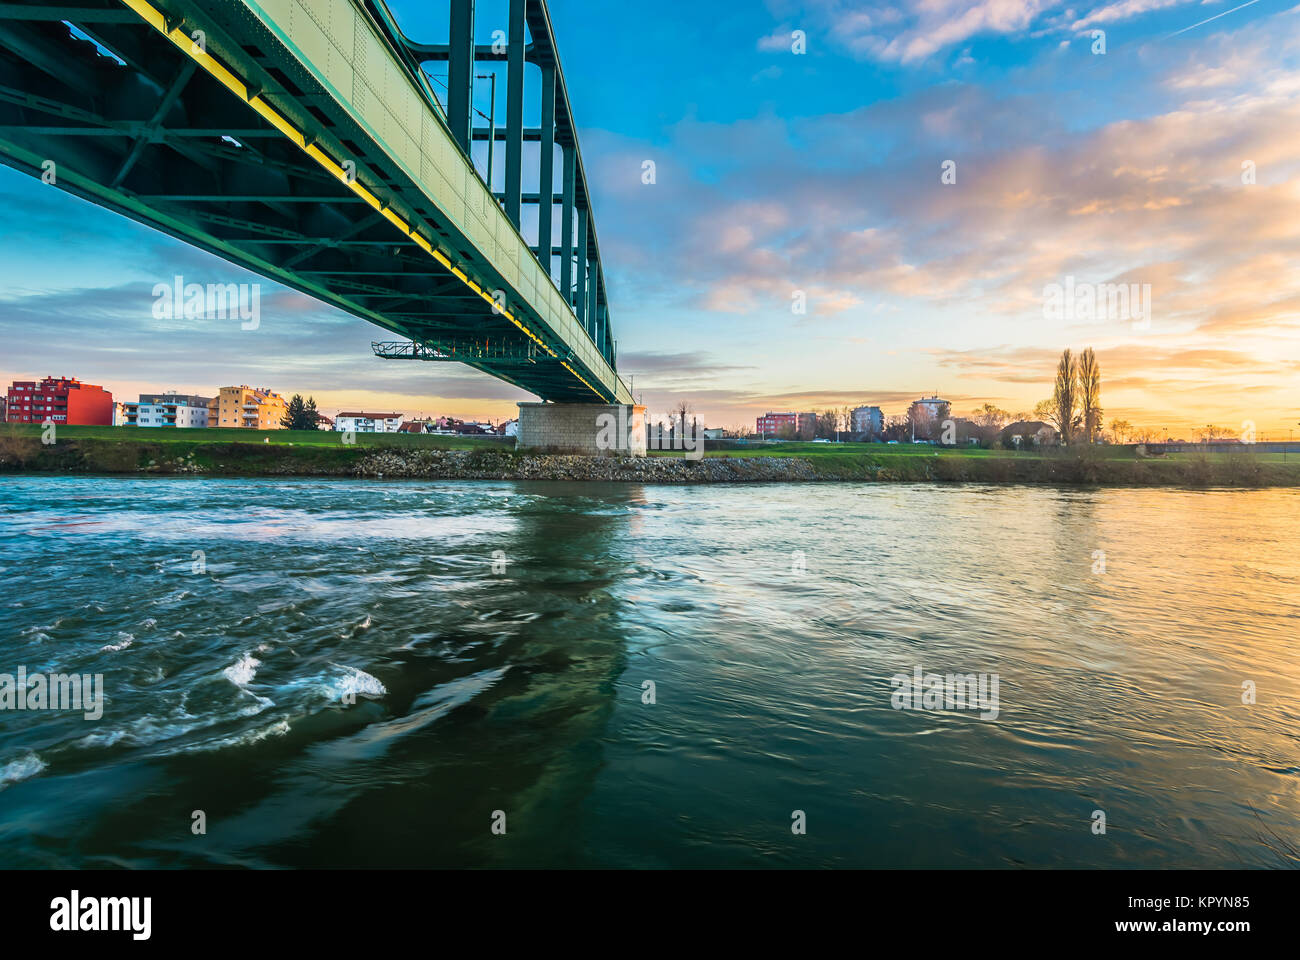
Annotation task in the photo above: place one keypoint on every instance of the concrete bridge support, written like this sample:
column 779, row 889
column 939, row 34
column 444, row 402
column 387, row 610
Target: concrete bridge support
column 593, row 429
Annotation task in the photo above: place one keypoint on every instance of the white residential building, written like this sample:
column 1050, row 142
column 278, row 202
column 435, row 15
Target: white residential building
column 166, row 410
column 933, row 405
column 361, row 422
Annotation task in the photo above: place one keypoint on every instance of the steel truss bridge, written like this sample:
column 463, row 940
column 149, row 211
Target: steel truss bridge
column 313, row 143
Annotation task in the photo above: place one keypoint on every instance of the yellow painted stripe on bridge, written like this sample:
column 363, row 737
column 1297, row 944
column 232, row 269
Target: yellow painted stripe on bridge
column 566, row 366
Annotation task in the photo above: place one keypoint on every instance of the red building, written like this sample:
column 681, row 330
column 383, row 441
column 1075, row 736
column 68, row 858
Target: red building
column 770, row 425
column 60, row 399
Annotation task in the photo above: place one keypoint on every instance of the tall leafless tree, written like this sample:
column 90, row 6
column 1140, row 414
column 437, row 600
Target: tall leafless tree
column 1065, row 399
column 1089, row 391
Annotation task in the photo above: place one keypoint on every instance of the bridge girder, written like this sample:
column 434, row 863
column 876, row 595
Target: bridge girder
column 135, row 125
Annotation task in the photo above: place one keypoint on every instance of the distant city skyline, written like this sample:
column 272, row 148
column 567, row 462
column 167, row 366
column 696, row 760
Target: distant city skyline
column 814, row 180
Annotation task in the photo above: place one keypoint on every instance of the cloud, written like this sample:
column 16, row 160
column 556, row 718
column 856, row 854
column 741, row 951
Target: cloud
column 780, row 40
column 1124, row 10
column 849, row 209
column 98, row 334
column 1156, row 200
column 1169, row 382
column 910, row 32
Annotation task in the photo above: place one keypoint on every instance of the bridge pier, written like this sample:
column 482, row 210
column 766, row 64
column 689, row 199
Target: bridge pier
column 593, row 429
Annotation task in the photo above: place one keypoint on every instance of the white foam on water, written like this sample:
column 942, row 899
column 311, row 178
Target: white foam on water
column 356, row 629
column 259, row 704
column 20, row 769
column 348, row 685
column 277, row 729
column 242, row 673
column 147, row 730
column 124, row 640
column 40, row 629
column 358, row 682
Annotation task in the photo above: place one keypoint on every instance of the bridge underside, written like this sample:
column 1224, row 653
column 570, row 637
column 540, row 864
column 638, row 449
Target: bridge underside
column 121, row 114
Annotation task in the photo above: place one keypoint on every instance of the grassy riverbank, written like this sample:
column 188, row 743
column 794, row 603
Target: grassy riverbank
column 131, row 450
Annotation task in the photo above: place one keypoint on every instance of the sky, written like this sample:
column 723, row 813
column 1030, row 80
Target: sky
column 800, row 154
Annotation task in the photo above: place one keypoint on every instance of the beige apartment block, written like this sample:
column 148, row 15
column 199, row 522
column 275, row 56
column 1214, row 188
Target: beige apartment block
column 255, row 408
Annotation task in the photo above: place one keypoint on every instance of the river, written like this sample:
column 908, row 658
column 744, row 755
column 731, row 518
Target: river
column 346, row 673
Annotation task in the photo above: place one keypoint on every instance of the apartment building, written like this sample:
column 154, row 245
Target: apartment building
column 254, row 408
column 773, row 423
column 169, row 409
column 803, row 425
column 935, row 407
column 869, row 420
column 60, row 400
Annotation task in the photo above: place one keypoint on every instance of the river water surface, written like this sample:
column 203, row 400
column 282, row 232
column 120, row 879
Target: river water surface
column 348, row 673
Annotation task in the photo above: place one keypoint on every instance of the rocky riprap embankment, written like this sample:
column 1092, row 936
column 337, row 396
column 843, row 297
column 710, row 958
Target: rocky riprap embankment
column 495, row 465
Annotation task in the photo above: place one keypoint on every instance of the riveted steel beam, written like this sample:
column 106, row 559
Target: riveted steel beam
column 460, row 71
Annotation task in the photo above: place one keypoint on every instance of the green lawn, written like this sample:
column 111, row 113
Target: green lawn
column 838, row 451
column 323, row 453
column 846, row 452
column 305, row 438
column 1292, row 457
column 802, row 448
column 823, row 452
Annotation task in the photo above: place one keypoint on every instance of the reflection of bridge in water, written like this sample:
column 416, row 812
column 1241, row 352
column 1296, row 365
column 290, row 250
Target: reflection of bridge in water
column 303, row 140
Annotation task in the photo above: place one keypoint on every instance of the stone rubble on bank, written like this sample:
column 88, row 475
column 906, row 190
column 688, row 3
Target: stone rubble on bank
column 497, row 465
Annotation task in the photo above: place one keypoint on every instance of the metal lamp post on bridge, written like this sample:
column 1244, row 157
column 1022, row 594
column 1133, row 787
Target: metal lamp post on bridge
column 492, row 121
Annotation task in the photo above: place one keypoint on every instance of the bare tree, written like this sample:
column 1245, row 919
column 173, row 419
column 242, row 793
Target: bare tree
column 1064, row 398
column 1089, row 390
column 989, row 421
column 896, row 428
column 678, row 414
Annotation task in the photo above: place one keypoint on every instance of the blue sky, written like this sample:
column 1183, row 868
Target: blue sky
column 819, row 173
